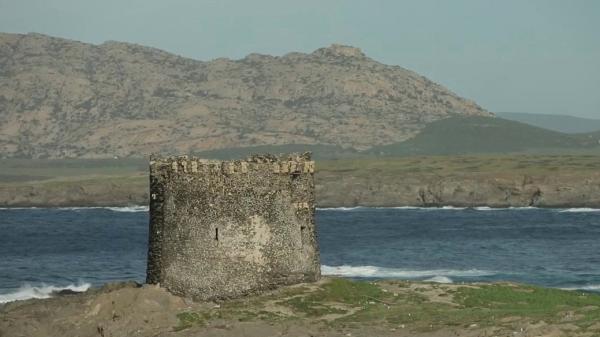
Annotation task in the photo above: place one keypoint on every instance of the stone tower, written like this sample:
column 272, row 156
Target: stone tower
column 223, row 229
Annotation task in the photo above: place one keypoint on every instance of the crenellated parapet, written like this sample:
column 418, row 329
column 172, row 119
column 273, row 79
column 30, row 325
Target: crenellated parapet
column 190, row 165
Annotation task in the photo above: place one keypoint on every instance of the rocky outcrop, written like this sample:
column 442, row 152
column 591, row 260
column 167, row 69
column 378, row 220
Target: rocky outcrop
column 85, row 192
column 62, row 98
column 507, row 190
column 344, row 189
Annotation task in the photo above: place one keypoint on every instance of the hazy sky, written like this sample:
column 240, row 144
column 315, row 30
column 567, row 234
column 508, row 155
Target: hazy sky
column 507, row 55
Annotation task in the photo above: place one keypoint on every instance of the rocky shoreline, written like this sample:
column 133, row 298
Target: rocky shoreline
column 557, row 181
column 561, row 191
column 476, row 190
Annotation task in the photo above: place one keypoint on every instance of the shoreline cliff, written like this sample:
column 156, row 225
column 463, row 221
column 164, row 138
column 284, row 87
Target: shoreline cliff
column 552, row 181
column 495, row 192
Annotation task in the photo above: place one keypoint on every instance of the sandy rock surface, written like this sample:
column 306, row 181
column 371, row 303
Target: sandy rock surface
column 331, row 307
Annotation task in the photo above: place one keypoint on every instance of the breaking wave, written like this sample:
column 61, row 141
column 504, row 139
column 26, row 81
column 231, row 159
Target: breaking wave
column 127, row 209
column 355, row 208
column 339, row 208
column 391, row 207
column 27, row 291
column 439, row 279
column 451, row 208
column 382, row 272
column 487, row 208
column 447, row 208
column 580, row 210
column 16, row 208
column 589, row 287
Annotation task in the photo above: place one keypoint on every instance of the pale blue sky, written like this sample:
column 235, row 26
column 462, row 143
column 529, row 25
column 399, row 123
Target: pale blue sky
column 507, row 55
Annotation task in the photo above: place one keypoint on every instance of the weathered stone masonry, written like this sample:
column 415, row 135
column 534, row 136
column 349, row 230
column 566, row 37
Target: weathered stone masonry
column 222, row 229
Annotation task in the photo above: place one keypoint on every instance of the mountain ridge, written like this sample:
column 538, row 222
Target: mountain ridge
column 62, row 98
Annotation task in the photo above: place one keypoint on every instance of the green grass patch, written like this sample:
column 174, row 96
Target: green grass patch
column 22, row 171
column 38, row 169
column 484, row 135
column 248, row 315
column 337, row 291
column 349, row 292
column 345, row 303
column 190, row 319
column 550, row 305
column 483, row 305
column 311, row 306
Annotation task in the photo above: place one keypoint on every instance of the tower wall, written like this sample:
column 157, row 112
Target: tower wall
column 223, row 229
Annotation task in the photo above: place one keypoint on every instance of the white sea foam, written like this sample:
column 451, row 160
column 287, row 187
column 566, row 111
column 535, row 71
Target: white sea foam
column 74, row 208
column 480, row 208
column 114, row 209
column 443, row 208
column 487, row 208
column 580, row 210
column 391, row 207
column 339, row 208
column 439, row 279
column 382, row 272
column 589, row 287
column 16, row 208
column 27, row 291
column 129, row 209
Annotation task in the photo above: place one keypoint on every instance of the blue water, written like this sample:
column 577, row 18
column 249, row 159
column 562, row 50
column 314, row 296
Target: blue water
column 551, row 247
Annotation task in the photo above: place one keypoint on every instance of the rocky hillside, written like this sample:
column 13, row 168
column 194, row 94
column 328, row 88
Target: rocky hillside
column 63, row 98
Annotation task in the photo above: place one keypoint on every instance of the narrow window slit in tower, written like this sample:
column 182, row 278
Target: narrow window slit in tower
column 216, row 234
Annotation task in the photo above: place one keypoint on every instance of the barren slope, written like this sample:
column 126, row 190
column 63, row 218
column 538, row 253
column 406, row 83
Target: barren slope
column 62, row 98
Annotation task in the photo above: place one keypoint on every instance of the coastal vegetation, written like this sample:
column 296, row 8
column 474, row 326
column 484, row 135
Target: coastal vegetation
column 331, row 307
column 485, row 135
column 422, row 307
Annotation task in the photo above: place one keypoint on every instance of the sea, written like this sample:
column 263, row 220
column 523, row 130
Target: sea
column 44, row 250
